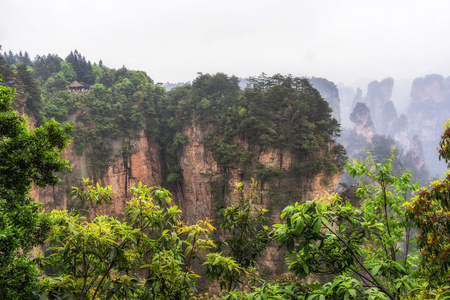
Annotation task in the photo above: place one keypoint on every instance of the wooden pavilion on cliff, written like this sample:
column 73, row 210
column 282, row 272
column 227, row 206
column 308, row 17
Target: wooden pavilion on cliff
column 76, row 87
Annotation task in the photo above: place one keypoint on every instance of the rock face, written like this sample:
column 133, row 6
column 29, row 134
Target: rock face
column 400, row 131
column 205, row 187
column 431, row 87
column 329, row 93
column 362, row 119
column 143, row 164
column 204, row 180
column 388, row 118
column 428, row 111
column 198, row 167
column 378, row 95
column 201, row 173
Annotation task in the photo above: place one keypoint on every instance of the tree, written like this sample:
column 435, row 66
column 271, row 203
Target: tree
column 45, row 66
column 246, row 235
column 359, row 248
column 6, row 70
column 102, row 257
column 30, row 88
column 82, row 68
column 68, row 71
column 429, row 211
column 26, row 156
column 246, row 229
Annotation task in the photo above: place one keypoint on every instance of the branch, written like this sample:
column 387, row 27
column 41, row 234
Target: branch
column 85, row 275
column 381, row 287
column 383, row 188
column 363, row 277
column 408, row 236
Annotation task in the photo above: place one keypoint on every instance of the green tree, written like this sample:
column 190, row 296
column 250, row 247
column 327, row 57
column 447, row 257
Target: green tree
column 358, row 248
column 30, row 88
column 245, row 235
column 68, row 71
column 152, row 258
column 26, row 156
column 45, row 66
column 6, row 70
column 245, row 227
column 429, row 211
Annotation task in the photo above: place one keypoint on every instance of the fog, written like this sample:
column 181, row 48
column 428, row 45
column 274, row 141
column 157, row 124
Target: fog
column 342, row 41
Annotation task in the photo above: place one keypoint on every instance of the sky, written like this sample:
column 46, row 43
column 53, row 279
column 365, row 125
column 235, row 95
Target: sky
column 172, row 40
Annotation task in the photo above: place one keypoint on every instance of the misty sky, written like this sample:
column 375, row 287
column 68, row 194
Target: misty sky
column 172, row 40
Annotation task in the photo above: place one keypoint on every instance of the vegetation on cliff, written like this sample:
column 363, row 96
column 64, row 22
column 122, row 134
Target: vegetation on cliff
column 115, row 106
column 365, row 253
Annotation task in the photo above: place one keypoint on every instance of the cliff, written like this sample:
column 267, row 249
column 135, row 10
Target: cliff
column 330, row 93
column 199, row 141
column 205, row 183
column 428, row 111
column 200, row 174
column 181, row 146
column 378, row 95
column 142, row 165
column 362, row 119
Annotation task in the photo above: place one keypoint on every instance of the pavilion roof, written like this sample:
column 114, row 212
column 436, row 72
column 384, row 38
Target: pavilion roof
column 76, row 84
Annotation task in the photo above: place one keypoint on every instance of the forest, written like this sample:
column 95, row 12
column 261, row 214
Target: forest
column 391, row 243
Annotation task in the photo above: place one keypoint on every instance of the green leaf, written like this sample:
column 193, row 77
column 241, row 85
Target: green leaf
column 306, row 268
column 317, row 225
column 145, row 266
column 375, row 270
column 352, row 292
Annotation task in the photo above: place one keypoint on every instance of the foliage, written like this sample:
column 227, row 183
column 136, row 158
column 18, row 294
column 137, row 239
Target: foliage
column 358, row 248
column 224, row 269
column 429, row 211
column 28, row 87
column 286, row 286
column 67, row 71
column 280, row 112
column 80, row 68
column 102, row 257
column 246, row 229
column 46, row 66
column 26, row 156
column 94, row 194
column 245, row 237
column 86, row 255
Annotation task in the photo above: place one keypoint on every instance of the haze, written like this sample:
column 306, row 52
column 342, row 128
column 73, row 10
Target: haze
column 173, row 40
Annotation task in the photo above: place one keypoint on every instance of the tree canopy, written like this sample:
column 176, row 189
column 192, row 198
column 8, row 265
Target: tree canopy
column 26, row 156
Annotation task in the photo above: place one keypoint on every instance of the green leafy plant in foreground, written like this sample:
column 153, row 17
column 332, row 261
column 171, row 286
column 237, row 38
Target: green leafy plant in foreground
column 26, row 156
column 104, row 258
column 429, row 212
column 358, row 248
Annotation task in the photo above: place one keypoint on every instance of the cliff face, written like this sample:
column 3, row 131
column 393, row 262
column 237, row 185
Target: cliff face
column 197, row 194
column 329, row 93
column 400, row 131
column 362, row 119
column 200, row 172
column 143, row 164
column 205, row 184
column 199, row 141
column 431, row 87
column 378, row 95
column 428, row 111
column 198, row 168
column 199, row 189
